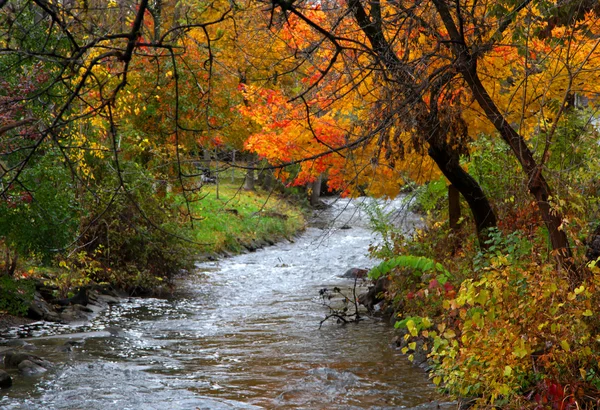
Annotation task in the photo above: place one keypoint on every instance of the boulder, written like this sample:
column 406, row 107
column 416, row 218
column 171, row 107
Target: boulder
column 355, row 273
column 12, row 360
column 5, row 380
column 75, row 313
column 28, row 368
column 39, row 309
column 375, row 294
column 80, row 298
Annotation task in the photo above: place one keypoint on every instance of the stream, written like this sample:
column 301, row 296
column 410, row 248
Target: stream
column 240, row 333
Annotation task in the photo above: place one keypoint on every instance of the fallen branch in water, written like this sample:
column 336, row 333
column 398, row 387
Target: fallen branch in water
column 343, row 314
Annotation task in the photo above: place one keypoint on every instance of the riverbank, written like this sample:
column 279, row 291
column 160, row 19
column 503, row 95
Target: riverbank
column 227, row 221
column 231, row 220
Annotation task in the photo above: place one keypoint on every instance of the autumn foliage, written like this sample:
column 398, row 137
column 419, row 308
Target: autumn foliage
column 113, row 115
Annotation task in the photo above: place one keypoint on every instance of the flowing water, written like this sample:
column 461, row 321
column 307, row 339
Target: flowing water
column 241, row 333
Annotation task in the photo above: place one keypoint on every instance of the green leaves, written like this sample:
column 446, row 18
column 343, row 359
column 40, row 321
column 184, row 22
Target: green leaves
column 418, row 264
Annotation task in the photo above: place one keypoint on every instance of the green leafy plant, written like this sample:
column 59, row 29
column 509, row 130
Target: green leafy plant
column 380, row 221
column 418, row 264
column 15, row 295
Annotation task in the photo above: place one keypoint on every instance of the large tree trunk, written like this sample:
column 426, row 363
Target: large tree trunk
column 536, row 183
column 466, row 65
column 453, row 207
column 480, row 207
column 315, row 193
column 427, row 121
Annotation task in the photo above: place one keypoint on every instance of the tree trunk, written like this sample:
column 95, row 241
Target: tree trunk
column 266, row 179
column 315, row 193
column 249, row 181
column 536, row 183
column 466, row 64
column 453, row 207
column 464, row 183
column 427, row 121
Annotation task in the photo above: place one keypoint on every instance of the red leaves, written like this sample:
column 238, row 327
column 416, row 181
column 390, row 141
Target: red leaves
column 556, row 396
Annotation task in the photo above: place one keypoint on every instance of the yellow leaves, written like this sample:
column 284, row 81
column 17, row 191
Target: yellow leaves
column 412, row 328
column 449, row 334
column 565, row 345
column 520, row 350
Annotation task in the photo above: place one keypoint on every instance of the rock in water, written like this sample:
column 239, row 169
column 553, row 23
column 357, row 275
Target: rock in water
column 5, row 380
column 355, row 273
column 12, row 360
column 28, row 368
column 375, row 294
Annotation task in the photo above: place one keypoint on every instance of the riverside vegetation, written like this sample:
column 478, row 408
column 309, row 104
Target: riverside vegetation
column 139, row 256
column 111, row 114
column 499, row 325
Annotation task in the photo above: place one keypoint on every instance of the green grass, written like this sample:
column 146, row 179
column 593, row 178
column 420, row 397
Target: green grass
column 237, row 218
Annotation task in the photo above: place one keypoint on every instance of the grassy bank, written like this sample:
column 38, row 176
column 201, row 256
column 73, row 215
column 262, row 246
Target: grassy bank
column 234, row 220
column 139, row 250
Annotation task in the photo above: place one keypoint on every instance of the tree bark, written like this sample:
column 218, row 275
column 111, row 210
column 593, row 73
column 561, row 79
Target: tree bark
column 466, row 65
column 453, row 207
column 484, row 215
column 315, row 193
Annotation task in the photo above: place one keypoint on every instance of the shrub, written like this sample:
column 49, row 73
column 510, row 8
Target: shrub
column 137, row 236
column 15, row 295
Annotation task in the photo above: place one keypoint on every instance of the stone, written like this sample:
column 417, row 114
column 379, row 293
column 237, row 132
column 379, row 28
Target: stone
column 12, row 360
column 39, row 309
column 80, row 298
column 375, row 293
column 76, row 313
column 355, row 273
column 5, row 380
column 108, row 299
column 28, row 368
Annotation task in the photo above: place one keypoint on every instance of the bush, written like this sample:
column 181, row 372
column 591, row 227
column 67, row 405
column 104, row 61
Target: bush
column 40, row 216
column 506, row 328
column 138, row 236
column 431, row 197
column 15, row 295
